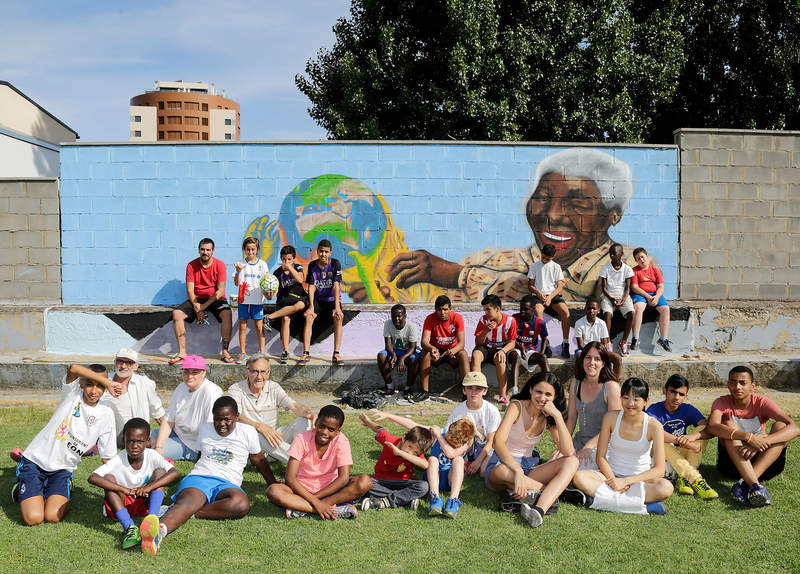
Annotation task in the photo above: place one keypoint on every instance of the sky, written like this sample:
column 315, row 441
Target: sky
column 82, row 61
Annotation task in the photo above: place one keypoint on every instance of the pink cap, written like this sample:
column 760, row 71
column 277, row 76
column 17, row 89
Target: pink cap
column 194, row 362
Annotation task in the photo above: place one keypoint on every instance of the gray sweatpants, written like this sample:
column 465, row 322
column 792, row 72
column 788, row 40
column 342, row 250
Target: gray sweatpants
column 399, row 492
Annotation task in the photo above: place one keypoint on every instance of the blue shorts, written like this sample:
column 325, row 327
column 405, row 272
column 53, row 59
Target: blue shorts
column 662, row 301
column 211, row 486
column 528, row 463
column 474, row 452
column 444, row 478
column 400, row 353
column 251, row 311
column 35, row 481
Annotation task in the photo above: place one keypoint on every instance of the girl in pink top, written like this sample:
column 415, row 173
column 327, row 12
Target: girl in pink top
column 513, row 467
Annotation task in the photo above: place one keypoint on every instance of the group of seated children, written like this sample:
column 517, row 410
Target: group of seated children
column 316, row 293
column 631, row 446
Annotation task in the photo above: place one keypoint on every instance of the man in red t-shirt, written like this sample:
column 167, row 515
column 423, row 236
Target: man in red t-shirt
column 745, row 447
column 205, row 286
column 442, row 341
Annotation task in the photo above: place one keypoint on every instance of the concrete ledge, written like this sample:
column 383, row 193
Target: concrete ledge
column 778, row 371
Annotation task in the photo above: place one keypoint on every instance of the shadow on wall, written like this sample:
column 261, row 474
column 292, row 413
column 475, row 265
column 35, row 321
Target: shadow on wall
column 170, row 292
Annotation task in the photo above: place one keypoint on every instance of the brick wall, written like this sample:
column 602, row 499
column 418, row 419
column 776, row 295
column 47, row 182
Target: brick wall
column 30, row 242
column 739, row 214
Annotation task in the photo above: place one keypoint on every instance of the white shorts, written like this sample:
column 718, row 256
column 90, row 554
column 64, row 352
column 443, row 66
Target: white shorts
column 607, row 305
column 526, row 358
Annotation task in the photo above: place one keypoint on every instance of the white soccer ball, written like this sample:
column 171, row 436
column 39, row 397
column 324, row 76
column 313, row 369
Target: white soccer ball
column 269, row 283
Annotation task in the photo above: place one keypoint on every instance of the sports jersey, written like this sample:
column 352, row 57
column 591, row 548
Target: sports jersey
column 647, row 279
column 444, row 334
column 205, row 279
column 225, row 456
column 498, row 337
column 323, row 278
column 675, row 423
column 250, row 282
column 530, row 333
column 390, row 465
column 73, row 429
column 120, row 467
column 287, row 284
column 753, row 418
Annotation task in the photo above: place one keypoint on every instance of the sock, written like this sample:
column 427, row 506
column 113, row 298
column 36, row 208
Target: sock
column 124, row 518
column 539, row 510
column 162, row 528
column 156, row 498
column 636, row 335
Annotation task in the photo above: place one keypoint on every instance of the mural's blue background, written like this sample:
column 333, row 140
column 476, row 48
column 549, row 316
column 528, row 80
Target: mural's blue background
column 132, row 215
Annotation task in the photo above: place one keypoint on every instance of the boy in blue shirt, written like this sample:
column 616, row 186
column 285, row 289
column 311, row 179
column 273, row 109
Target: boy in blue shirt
column 683, row 450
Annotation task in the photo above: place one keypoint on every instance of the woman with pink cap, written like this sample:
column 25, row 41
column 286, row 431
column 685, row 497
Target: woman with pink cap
column 189, row 407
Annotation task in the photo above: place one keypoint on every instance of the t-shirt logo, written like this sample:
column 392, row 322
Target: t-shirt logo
column 221, row 456
column 401, row 467
column 63, row 430
column 77, row 412
column 91, row 420
column 452, row 328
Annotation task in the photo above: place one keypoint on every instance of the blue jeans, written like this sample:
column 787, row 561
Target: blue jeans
column 175, row 449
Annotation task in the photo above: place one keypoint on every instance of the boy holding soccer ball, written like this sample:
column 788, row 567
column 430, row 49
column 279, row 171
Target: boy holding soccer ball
column 248, row 277
column 292, row 297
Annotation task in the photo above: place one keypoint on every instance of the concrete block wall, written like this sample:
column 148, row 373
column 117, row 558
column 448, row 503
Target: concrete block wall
column 30, row 242
column 132, row 215
column 739, row 214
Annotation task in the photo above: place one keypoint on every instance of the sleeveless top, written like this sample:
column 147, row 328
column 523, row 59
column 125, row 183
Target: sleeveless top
column 590, row 416
column 628, row 457
column 519, row 443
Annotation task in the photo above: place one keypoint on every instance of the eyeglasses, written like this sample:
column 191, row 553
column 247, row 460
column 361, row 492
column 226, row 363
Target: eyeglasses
column 255, row 372
column 125, row 362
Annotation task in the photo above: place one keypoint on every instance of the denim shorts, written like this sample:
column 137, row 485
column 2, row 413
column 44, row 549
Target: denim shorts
column 528, row 463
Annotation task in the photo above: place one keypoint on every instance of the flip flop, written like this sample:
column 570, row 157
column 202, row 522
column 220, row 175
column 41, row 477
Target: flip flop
column 175, row 359
column 305, row 358
column 337, row 360
column 227, row 359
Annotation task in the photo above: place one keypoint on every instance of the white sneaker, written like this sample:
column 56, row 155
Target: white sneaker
column 532, row 515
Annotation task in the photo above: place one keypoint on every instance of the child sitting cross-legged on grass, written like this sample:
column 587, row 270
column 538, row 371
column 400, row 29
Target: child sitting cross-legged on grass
column 134, row 480
column 446, row 465
column 318, row 473
column 393, row 483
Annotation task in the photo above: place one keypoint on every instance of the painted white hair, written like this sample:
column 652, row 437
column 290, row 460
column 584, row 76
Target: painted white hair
column 612, row 176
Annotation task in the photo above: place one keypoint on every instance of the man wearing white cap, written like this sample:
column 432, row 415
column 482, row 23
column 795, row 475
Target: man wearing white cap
column 138, row 397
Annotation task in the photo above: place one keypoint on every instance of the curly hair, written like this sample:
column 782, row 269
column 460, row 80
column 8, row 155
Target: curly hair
column 460, row 432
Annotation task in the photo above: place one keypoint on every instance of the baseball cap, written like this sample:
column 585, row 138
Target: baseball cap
column 475, row 379
column 194, row 362
column 126, row 353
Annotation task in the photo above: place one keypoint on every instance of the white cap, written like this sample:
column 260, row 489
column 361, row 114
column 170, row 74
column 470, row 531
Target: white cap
column 126, row 353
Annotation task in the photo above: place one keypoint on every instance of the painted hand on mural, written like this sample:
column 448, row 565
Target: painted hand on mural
column 422, row 267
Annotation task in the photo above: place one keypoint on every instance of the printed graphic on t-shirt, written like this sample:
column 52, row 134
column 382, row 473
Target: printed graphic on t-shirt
column 220, row 455
column 752, row 425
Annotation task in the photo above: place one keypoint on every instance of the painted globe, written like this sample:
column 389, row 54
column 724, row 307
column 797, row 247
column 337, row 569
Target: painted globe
column 334, row 207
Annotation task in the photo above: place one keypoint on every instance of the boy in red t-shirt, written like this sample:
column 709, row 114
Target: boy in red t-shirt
column 393, row 483
column 647, row 288
column 745, row 448
column 495, row 337
column 442, row 341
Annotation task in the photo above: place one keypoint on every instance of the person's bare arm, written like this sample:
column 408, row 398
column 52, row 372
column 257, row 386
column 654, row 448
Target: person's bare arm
column 272, row 436
column 369, row 423
column 397, row 419
column 557, row 291
column 77, row 371
column 602, row 445
column 460, row 338
column 561, row 436
column 300, row 410
column 167, row 478
column 654, row 431
column 338, row 483
column 337, row 304
column 408, row 457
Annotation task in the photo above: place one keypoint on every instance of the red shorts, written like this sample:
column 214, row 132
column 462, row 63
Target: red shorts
column 137, row 506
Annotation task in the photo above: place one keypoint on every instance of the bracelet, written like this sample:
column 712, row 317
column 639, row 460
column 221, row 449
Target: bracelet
column 749, row 436
column 732, row 432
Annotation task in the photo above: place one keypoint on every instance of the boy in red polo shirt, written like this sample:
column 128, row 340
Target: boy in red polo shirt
column 442, row 341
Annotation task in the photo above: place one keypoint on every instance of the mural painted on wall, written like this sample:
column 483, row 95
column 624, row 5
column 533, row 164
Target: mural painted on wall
column 577, row 195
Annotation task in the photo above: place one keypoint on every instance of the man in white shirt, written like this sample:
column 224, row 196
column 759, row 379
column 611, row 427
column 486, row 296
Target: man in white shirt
column 546, row 281
column 615, row 282
column 138, row 397
column 259, row 399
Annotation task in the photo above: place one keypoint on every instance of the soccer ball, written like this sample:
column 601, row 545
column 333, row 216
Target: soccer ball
column 269, row 283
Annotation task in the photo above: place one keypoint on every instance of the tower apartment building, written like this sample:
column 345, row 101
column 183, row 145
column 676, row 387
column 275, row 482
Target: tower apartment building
column 188, row 111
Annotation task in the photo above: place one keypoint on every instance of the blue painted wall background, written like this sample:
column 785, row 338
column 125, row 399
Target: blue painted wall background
column 132, row 215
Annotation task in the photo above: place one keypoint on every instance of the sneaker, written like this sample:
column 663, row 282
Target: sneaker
column 419, row 397
column 758, row 496
column 514, row 390
column 739, row 491
column 435, row 506
column 683, row 487
column 15, row 454
column 151, row 534
column 573, row 496
column 294, row 513
column 267, row 326
column 240, row 359
column 565, row 350
column 665, row 345
column 15, row 492
column 163, row 510
column 623, row 347
column 131, row 537
column 345, row 511
column 284, row 357
column 704, row 491
column 375, row 503
column 532, row 498
column 656, row 508
column 548, row 352
column 502, row 401
column 634, row 344
column 533, row 514
column 414, row 504
column 451, row 507
column 508, row 503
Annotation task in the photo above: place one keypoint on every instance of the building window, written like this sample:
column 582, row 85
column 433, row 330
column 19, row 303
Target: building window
column 160, row 105
column 191, row 121
column 191, row 135
column 205, row 121
column 137, row 133
column 161, row 119
column 228, row 136
column 205, row 135
column 173, row 119
column 227, row 121
column 173, row 105
column 137, row 119
column 205, row 107
column 161, row 135
column 191, row 105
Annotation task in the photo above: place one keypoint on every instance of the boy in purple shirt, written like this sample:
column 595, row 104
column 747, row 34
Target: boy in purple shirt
column 324, row 279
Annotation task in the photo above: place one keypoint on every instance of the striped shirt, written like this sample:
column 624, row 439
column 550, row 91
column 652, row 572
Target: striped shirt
column 498, row 337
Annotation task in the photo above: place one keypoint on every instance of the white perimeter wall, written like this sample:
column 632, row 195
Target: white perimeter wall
column 19, row 158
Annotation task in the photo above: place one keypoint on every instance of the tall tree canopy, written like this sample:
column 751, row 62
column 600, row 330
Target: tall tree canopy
column 560, row 70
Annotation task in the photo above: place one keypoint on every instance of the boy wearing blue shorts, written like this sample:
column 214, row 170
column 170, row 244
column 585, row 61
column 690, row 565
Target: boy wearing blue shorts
column 213, row 490
column 400, row 341
column 247, row 278
column 44, row 472
column 446, row 465
column 647, row 290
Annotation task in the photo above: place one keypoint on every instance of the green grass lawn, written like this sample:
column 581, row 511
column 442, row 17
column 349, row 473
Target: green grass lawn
column 694, row 536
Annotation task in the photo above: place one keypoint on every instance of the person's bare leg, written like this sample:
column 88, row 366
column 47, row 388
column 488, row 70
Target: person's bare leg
column 385, row 368
column 425, row 370
column 337, row 334
column 286, row 323
column 189, row 501
column 745, row 467
column 563, row 313
column 456, row 476
column 229, row 504
column 462, row 361
column 500, row 368
column 281, row 495
column 477, row 360
column 358, row 486
column 55, row 508
column 628, row 326
column 307, row 333
column 432, row 474
column 663, row 321
column 513, row 368
column 607, row 318
column 179, row 326
column 32, row 510
column 766, row 458
column 657, row 489
column 412, row 369
column 262, row 339
column 225, row 328
column 638, row 314
column 242, row 335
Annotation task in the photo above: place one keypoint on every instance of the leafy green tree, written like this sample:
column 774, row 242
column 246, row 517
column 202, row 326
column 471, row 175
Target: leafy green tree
column 560, row 70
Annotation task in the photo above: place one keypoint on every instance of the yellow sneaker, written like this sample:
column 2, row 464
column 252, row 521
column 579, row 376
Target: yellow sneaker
column 704, row 491
column 683, row 487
